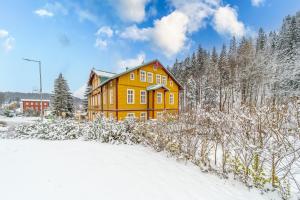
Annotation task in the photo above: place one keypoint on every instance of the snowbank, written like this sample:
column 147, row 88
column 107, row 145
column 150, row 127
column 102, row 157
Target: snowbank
column 36, row 169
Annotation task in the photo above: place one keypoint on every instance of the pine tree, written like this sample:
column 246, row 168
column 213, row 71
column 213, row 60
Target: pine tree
column 85, row 100
column 62, row 98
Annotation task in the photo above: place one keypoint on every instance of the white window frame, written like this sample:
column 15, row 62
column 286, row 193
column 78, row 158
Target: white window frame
column 161, row 97
column 111, row 99
column 143, row 91
column 131, row 76
column 143, row 116
column 171, row 98
column 159, row 115
column 132, row 96
column 143, row 76
column 150, row 80
column 158, row 77
column 130, row 115
column 164, row 80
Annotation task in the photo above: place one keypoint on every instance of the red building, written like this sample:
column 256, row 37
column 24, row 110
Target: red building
column 33, row 104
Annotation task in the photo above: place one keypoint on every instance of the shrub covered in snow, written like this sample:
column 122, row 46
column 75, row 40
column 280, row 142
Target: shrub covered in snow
column 57, row 129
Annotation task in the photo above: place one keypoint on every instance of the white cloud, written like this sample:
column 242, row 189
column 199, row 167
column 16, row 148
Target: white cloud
column 226, row 22
column 100, row 43
column 3, row 33
column 257, row 3
column 196, row 11
column 85, row 15
column 134, row 33
column 131, row 10
column 79, row 93
column 106, row 31
column 43, row 13
column 9, row 43
column 169, row 33
column 56, row 7
column 133, row 62
column 51, row 9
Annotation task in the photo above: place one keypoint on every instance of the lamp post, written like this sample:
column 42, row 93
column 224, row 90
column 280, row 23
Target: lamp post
column 41, row 90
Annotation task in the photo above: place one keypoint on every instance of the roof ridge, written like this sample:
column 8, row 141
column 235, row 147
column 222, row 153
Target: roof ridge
column 104, row 71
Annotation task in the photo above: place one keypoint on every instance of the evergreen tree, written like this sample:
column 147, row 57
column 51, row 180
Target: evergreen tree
column 85, row 100
column 62, row 98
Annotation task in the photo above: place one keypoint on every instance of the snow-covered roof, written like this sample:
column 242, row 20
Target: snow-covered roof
column 103, row 73
column 46, row 100
column 157, row 86
column 137, row 67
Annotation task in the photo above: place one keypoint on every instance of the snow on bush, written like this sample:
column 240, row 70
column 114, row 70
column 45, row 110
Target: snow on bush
column 50, row 130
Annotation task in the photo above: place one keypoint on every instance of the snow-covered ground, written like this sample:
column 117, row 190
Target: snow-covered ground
column 11, row 122
column 36, row 169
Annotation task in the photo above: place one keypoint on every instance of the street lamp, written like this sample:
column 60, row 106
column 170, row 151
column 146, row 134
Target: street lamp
column 41, row 90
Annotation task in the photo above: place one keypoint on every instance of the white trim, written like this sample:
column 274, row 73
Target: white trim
column 145, row 117
column 161, row 99
column 133, row 115
column 141, row 97
column 145, row 76
column 148, row 73
column 156, row 78
column 171, row 94
column 132, row 96
column 35, row 100
column 164, row 80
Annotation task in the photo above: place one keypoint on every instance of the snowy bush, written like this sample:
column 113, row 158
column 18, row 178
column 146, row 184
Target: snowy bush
column 50, row 130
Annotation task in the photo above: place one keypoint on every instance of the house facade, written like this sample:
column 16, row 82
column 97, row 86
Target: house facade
column 33, row 104
column 143, row 92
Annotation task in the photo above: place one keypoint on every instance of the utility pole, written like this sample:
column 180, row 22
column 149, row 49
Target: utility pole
column 41, row 87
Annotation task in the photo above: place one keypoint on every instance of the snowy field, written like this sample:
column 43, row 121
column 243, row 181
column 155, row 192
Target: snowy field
column 36, row 169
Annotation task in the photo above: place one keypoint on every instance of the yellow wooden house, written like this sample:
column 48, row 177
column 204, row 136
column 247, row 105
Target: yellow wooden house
column 142, row 92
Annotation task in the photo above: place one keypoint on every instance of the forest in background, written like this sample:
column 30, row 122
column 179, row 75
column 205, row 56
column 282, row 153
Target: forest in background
column 250, row 71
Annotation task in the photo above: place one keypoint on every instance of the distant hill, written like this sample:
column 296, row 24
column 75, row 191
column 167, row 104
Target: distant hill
column 7, row 97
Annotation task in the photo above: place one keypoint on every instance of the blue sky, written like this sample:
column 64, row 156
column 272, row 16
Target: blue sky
column 73, row 36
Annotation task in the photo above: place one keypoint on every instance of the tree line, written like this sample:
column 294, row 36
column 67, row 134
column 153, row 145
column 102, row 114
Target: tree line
column 250, row 71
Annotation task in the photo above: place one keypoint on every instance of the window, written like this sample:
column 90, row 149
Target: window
column 159, row 98
column 150, row 77
column 143, row 116
column 32, row 103
column 158, row 79
column 27, row 103
column 171, row 83
column 45, row 104
column 111, row 99
column 171, row 99
column 164, row 80
column 159, row 115
column 132, row 76
column 142, row 76
column 110, row 83
column 130, row 96
column 143, row 97
column 130, row 115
